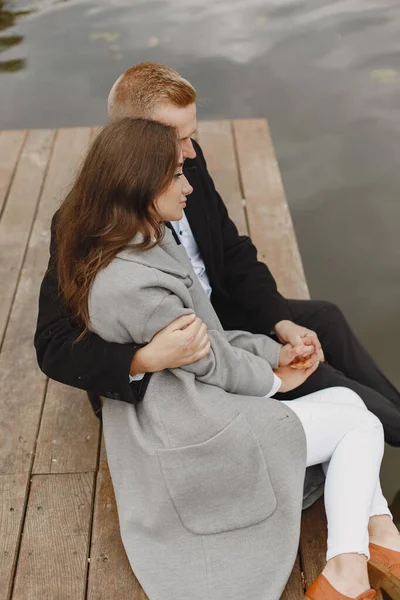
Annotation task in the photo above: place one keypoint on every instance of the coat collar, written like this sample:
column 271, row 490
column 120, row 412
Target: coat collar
column 167, row 256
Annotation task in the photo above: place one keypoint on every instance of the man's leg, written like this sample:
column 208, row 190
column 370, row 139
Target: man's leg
column 342, row 349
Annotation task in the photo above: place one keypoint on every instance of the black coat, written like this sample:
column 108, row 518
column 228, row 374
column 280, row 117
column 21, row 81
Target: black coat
column 244, row 296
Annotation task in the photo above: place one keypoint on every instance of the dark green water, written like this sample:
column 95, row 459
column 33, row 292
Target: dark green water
column 325, row 74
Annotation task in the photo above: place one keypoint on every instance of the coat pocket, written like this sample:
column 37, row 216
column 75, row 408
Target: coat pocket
column 221, row 484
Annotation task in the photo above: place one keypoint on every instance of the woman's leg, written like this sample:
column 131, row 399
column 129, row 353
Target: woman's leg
column 379, row 505
column 341, row 433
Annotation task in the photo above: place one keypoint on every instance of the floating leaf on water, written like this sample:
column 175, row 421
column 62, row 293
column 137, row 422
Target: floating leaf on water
column 105, row 35
column 385, row 75
column 153, row 42
column 9, row 41
column 8, row 18
column 10, row 66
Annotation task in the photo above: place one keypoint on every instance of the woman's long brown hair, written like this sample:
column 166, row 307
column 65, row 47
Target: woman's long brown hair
column 129, row 164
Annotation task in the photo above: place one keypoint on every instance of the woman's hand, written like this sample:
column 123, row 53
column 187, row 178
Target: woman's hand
column 293, row 378
column 302, row 353
column 182, row 342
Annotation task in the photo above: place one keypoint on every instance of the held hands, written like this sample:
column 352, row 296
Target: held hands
column 296, row 335
column 182, row 342
column 299, row 357
column 291, row 374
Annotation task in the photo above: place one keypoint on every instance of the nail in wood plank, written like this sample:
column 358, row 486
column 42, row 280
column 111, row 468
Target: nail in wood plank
column 13, row 490
column 294, row 587
column 54, row 551
column 21, row 382
column 110, row 572
column 313, row 541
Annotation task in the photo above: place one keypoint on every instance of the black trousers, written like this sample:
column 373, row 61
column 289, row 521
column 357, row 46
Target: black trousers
column 348, row 364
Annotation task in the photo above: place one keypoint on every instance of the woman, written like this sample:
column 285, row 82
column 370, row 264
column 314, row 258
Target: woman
column 208, row 470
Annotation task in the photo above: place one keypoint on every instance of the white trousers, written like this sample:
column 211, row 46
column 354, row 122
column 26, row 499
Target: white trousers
column 348, row 440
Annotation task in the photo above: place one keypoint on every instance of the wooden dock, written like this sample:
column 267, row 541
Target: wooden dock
column 59, row 536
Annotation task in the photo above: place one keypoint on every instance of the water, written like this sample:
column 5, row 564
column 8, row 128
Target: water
column 327, row 77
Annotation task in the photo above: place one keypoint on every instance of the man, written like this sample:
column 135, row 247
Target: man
column 242, row 289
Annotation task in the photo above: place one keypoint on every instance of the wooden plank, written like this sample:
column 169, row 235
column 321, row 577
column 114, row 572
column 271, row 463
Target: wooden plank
column 69, row 432
column 54, row 551
column 11, row 143
column 216, row 140
column 18, row 214
column 22, row 385
column 68, row 151
column 13, row 491
column 110, row 572
column 268, row 214
column 313, row 541
column 294, row 588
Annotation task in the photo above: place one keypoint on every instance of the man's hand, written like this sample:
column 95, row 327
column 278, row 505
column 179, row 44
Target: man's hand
column 182, row 342
column 296, row 335
column 292, row 378
column 302, row 353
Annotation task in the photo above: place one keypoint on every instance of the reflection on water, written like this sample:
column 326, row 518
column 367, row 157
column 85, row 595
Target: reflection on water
column 8, row 18
column 325, row 74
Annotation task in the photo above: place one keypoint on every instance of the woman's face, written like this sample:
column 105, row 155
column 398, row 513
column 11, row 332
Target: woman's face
column 171, row 203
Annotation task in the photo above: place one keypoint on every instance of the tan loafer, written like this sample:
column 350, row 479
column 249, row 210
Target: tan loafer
column 321, row 589
column 384, row 570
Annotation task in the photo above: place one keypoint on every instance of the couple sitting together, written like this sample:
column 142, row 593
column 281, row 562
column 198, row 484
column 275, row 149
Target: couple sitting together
column 218, row 394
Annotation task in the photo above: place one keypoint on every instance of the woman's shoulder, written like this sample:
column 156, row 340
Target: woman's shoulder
column 125, row 275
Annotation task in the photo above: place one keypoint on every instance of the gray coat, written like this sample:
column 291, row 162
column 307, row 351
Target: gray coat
column 208, row 473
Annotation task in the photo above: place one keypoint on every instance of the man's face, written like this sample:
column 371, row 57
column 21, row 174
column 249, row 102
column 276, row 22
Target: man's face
column 184, row 119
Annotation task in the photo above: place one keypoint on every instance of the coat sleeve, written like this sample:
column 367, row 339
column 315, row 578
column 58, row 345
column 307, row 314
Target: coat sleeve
column 231, row 368
column 91, row 364
column 258, row 344
column 248, row 281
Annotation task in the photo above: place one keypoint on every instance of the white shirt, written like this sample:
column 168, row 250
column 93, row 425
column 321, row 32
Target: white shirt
column 183, row 230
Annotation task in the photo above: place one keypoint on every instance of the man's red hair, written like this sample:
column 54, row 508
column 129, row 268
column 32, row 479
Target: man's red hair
column 141, row 88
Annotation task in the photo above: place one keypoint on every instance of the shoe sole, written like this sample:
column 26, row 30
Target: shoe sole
column 381, row 577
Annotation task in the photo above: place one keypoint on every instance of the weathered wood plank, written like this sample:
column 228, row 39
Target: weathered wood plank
column 271, row 229
column 13, row 491
column 54, row 550
column 110, row 572
column 18, row 214
column 10, row 147
column 216, row 140
column 294, row 587
column 268, row 214
column 68, row 151
column 22, row 386
column 69, row 433
column 313, row 541
column 21, row 383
